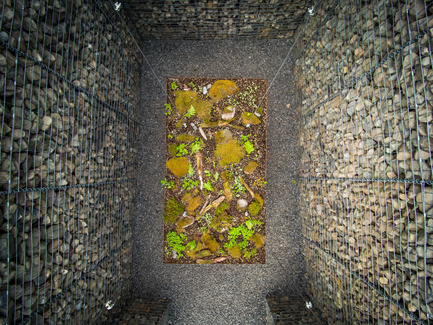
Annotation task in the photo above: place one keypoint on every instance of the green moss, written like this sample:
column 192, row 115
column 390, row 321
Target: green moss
column 250, row 167
column 222, row 88
column 223, row 136
column 221, row 208
column 223, row 221
column 178, row 166
column 194, row 203
column 234, row 251
column 185, row 137
column 172, row 149
column 254, row 208
column 257, row 239
column 210, row 242
column 249, row 118
column 229, row 153
column 172, row 210
column 186, row 99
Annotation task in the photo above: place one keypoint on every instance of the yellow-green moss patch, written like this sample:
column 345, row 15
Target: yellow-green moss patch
column 249, row 118
column 257, row 239
column 222, row 88
column 194, row 203
column 186, row 99
column 235, row 251
column 250, row 167
column 185, row 137
column 223, row 136
column 178, row 166
column 230, row 152
column 211, row 243
column 172, row 210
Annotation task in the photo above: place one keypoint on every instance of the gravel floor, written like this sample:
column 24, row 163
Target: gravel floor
column 218, row 294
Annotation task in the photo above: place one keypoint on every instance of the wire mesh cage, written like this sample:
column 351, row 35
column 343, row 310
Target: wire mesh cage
column 68, row 106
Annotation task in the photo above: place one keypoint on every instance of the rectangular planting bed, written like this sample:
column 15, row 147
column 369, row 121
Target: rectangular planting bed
column 215, row 184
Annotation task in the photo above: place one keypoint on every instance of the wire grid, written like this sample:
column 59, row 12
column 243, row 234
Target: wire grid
column 216, row 19
column 68, row 104
column 366, row 195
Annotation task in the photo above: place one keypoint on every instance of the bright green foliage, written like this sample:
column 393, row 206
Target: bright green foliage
column 176, row 242
column 189, row 184
column 181, row 150
column 220, row 209
column 235, row 232
column 174, row 86
column 191, row 245
column 191, row 112
column 190, row 171
column 170, row 136
column 168, row 109
column 168, row 184
column 252, row 222
column 216, row 176
column 254, row 208
column 248, row 147
column 196, row 146
column 191, row 84
column 207, row 173
column 172, row 210
column 250, row 254
column 208, row 186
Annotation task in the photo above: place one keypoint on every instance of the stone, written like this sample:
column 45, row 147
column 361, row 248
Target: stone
column 228, row 113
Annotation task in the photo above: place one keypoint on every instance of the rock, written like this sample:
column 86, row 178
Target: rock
column 242, row 204
column 228, row 113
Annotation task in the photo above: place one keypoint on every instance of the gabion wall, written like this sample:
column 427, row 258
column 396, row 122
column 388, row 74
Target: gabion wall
column 365, row 80
column 68, row 105
column 216, row 19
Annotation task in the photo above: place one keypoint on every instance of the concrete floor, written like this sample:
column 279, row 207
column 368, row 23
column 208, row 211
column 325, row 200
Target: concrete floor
column 219, row 294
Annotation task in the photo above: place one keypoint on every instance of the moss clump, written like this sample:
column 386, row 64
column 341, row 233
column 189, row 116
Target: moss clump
column 230, row 152
column 235, row 251
column 221, row 208
column 172, row 149
column 222, row 88
column 211, row 243
column 251, row 167
column 183, row 222
column 185, row 137
column 194, row 203
column 254, row 208
column 223, row 221
column 249, row 118
column 223, row 136
column 172, row 210
column 178, row 166
column 257, row 239
column 186, row 99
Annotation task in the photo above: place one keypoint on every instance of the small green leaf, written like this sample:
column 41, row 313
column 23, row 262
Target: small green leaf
column 208, row 186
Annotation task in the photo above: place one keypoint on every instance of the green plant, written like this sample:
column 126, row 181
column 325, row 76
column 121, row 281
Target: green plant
column 235, row 232
column 181, row 150
column 259, row 182
column 174, row 86
column 216, row 176
column 190, row 171
column 191, row 84
column 172, row 210
column 220, row 209
column 252, row 222
column 189, row 184
column 238, row 187
column 176, row 242
column 191, row 112
column 208, row 186
column 196, row 146
column 191, row 245
column 250, row 254
column 207, row 173
column 254, row 208
column 168, row 184
column 170, row 136
column 168, row 109
column 249, row 147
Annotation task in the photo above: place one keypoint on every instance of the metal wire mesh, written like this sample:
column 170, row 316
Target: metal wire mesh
column 365, row 74
column 216, row 19
column 67, row 181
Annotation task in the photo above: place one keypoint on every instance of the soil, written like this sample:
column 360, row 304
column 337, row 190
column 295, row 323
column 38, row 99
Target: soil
column 250, row 97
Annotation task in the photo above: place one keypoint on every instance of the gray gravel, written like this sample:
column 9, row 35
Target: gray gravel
column 219, row 294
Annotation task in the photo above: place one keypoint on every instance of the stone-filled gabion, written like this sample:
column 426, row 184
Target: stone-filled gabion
column 217, row 19
column 68, row 103
column 366, row 196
